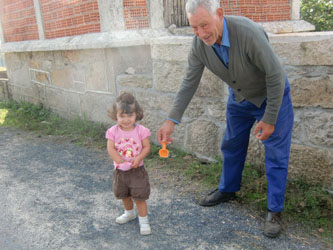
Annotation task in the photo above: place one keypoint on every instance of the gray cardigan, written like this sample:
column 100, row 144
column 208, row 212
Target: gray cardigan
column 254, row 73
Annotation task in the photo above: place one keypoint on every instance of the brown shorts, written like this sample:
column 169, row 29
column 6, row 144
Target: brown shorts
column 132, row 183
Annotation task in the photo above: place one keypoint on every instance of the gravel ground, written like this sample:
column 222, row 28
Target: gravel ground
column 57, row 195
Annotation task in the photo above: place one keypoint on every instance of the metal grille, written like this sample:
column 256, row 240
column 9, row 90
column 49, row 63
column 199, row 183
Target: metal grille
column 174, row 11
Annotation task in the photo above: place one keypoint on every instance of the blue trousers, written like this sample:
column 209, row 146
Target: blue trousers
column 240, row 119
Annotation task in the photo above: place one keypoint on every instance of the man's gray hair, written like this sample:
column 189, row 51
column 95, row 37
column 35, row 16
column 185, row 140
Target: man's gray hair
column 211, row 5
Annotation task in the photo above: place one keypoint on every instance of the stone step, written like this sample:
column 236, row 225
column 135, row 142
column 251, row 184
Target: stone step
column 3, row 74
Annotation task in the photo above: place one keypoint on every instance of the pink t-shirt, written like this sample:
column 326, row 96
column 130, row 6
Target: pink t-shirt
column 127, row 143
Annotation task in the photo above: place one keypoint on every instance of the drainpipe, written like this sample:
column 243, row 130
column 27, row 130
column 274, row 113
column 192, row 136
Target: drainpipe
column 2, row 35
column 295, row 10
column 111, row 15
column 39, row 18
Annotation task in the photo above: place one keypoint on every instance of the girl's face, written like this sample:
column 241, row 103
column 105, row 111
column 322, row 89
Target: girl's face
column 126, row 121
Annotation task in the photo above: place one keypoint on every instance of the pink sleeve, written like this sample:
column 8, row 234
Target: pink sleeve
column 110, row 133
column 144, row 132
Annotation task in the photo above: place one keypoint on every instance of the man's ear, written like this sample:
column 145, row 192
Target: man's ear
column 219, row 13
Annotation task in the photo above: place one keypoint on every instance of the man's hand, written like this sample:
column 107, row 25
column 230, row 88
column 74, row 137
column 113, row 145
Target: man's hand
column 263, row 130
column 163, row 134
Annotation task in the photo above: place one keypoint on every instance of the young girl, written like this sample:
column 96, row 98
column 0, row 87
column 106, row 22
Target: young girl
column 128, row 144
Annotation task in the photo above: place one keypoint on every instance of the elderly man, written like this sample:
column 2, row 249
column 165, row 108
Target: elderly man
column 238, row 51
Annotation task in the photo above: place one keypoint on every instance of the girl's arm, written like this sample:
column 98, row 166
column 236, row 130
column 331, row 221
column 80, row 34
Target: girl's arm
column 113, row 152
column 143, row 154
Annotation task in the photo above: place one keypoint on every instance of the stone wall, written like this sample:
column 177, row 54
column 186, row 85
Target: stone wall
column 308, row 62
column 82, row 78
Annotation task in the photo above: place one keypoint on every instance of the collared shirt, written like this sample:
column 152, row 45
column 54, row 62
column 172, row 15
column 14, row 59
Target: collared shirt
column 223, row 51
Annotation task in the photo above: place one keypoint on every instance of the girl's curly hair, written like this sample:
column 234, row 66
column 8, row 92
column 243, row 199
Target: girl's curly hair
column 126, row 104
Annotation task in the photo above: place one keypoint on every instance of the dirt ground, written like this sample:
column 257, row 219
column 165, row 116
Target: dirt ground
column 57, row 195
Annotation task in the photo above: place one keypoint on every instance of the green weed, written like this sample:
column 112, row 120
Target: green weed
column 37, row 118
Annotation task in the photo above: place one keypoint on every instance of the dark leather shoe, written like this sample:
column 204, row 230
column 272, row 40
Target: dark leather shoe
column 216, row 197
column 273, row 224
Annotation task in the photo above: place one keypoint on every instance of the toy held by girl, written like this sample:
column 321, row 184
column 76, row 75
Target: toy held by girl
column 128, row 144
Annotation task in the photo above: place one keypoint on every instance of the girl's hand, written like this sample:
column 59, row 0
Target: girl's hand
column 135, row 162
column 125, row 165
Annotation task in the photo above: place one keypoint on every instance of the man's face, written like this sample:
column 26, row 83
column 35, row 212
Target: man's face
column 206, row 26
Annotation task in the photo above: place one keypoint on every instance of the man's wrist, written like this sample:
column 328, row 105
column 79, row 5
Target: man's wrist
column 173, row 120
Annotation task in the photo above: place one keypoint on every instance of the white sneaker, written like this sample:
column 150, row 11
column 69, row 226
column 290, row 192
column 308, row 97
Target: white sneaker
column 126, row 217
column 144, row 226
column 145, row 229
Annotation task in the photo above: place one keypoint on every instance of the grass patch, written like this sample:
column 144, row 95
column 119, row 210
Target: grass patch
column 306, row 204
column 32, row 117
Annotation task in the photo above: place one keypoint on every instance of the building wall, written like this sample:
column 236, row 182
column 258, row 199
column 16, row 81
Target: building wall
column 259, row 10
column 85, row 81
column 59, row 18
column 136, row 14
column 69, row 17
column 18, row 20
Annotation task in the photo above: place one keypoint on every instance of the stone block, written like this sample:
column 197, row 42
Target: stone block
column 202, row 138
column 96, row 76
column 72, row 56
column 210, row 85
column 137, row 57
column 311, row 164
column 66, row 103
column 298, row 134
column 216, row 109
column 171, row 48
column 19, row 93
column 151, row 121
column 154, row 121
column 315, row 48
column 136, row 80
column 73, row 103
column 312, row 92
column 79, row 87
column 94, row 106
column 62, row 78
column 79, row 74
column 56, row 99
column 178, row 135
column 3, row 74
column 39, row 92
column 195, row 109
column 4, row 94
column 168, row 75
column 38, row 76
column 20, row 76
column 318, row 126
column 16, row 61
column 154, row 101
column 287, row 26
column 42, row 77
column 256, row 152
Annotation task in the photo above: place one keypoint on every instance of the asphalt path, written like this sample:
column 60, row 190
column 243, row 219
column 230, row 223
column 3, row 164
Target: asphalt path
column 57, row 195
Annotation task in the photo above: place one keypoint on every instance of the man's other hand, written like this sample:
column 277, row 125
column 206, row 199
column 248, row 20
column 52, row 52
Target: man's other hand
column 263, row 130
